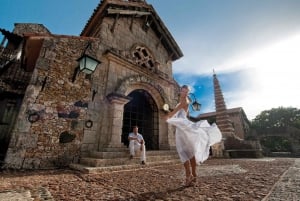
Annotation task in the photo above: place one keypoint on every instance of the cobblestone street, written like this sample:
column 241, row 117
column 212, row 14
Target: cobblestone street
column 218, row 179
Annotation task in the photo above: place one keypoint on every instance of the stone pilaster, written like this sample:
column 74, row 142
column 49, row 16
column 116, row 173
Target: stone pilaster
column 116, row 110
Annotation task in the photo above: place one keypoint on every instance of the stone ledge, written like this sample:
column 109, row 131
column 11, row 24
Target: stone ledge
column 244, row 153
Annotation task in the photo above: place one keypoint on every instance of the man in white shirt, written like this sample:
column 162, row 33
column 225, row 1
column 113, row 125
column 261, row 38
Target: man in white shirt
column 137, row 143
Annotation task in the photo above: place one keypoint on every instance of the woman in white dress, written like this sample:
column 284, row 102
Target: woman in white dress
column 193, row 140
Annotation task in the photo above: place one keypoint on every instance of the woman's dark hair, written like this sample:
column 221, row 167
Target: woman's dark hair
column 186, row 87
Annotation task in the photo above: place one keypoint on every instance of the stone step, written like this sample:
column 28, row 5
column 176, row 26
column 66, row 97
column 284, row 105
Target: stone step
column 124, row 154
column 108, row 154
column 103, row 161
column 96, row 162
column 114, row 149
column 94, row 170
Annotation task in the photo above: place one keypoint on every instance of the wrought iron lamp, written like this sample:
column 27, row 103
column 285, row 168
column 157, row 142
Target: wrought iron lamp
column 87, row 63
column 195, row 105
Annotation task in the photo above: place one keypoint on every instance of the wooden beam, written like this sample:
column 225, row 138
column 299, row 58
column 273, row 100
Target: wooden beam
column 127, row 12
column 115, row 22
column 131, row 22
column 145, row 25
column 171, row 56
column 160, row 38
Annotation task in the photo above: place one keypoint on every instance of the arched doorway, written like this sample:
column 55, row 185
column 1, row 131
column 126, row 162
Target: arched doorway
column 141, row 111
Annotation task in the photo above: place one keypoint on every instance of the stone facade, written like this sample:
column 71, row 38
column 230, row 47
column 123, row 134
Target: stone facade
column 240, row 122
column 234, row 126
column 236, row 116
column 66, row 115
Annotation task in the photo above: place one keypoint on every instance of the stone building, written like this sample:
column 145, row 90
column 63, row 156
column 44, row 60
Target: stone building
column 234, row 125
column 54, row 113
column 232, row 122
column 237, row 118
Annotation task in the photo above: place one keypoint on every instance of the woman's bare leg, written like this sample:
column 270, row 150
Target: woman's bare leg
column 193, row 164
column 186, row 165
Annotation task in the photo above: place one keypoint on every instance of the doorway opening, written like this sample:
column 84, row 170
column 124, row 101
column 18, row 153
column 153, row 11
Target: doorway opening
column 9, row 108
column 141, row 111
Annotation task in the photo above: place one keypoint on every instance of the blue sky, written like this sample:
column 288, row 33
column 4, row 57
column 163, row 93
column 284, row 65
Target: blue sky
column 253, row 45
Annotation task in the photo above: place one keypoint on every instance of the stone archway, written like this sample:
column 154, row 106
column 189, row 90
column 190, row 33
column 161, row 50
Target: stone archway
column 143, row 112
column 158, row 98
column 139, row 81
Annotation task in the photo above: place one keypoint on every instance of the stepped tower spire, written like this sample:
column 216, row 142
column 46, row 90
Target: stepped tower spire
column 222, row 117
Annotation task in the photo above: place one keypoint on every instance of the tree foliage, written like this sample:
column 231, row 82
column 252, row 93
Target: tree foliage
column 276, row 143
column 276, row 120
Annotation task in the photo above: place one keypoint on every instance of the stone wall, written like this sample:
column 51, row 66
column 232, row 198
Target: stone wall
column 238, row 124
column 50, row 126
column 21, row 28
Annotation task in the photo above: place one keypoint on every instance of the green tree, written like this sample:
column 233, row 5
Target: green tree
column 276, row 120
column 276, row 143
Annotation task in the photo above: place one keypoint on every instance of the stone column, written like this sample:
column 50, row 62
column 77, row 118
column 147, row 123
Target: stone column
column 116, row 109
column 218, row 150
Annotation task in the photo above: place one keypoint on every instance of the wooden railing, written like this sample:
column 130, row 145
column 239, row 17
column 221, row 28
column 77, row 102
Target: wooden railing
column 12, row 77
column 6, row 55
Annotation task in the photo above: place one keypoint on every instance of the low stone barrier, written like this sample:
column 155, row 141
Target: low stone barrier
column 245, row 153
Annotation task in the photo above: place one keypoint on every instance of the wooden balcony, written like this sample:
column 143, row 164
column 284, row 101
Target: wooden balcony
column 6, row 55
column 13, row 78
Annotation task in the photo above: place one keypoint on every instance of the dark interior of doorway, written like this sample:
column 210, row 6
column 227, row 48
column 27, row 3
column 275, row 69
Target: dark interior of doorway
column 9, row 108
column 141, row 111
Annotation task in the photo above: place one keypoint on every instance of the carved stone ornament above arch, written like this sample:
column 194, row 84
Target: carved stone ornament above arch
column 130, row 83
column 142, row 56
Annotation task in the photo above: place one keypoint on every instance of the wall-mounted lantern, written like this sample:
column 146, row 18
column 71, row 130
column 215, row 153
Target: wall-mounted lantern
column 87, row 63
column 195, row 105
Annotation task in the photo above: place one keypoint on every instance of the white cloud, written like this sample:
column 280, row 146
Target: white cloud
column 272, row 77
column 275, row 77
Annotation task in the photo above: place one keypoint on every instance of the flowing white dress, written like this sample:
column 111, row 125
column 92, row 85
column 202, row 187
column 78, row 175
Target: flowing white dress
column 194, row 138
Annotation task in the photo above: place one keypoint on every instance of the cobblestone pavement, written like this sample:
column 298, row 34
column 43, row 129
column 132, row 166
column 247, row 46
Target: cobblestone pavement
column 264, row 179
column 288, row 186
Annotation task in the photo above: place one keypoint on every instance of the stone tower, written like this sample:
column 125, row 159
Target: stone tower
column 222, row 117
